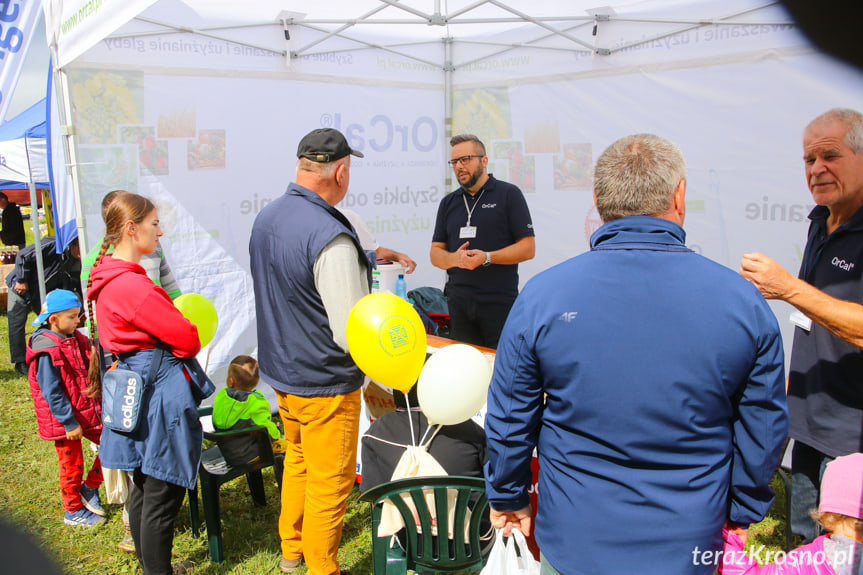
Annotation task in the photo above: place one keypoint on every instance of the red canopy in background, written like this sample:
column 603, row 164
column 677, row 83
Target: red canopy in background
column 21, row 196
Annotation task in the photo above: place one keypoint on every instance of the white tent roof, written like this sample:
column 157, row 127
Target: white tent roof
column 198, row 104
column 406, row 28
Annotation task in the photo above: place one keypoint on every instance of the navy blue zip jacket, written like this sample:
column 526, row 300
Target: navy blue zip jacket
column 665, row 409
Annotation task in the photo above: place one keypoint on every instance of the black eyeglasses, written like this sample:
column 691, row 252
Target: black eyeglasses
column 463, row 160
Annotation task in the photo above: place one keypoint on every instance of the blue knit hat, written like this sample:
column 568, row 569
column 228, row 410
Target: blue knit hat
column 57, row 300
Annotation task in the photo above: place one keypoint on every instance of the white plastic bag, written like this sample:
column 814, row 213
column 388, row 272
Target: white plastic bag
column 505, row 560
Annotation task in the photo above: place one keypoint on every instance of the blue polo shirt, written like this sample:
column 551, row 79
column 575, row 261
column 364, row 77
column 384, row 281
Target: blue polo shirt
column 825, row 381
column 501, row 218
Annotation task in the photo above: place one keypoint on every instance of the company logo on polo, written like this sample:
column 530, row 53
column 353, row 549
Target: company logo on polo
column 128, row 405
column 843, row 264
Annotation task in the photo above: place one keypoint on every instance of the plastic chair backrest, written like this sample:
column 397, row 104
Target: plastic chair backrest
column 260, row 435
column 424, row 550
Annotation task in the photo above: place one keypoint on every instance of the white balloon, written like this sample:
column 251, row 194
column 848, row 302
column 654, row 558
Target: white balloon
column 453, row 384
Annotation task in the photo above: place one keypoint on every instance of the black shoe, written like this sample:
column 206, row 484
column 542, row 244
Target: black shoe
column 182, row 567
column 21, row 368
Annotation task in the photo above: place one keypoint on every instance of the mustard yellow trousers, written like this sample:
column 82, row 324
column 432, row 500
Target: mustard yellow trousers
column 320, row 471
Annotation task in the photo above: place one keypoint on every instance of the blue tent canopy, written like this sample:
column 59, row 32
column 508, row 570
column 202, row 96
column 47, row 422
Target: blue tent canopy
column 30, row 124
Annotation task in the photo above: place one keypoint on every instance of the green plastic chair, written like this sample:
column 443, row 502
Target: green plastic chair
column 423, row 550
column 215, row 472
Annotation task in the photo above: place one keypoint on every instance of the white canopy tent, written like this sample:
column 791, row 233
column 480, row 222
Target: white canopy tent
column 199, row 104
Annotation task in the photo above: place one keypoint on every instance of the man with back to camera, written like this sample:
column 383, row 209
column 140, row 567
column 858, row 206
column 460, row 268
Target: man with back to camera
column 482, row 232
column 825, row 383
column 308, row 271
column 62, row 271
column 665, row 409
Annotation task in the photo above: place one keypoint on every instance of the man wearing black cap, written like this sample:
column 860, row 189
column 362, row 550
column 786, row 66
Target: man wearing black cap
column 308, row 271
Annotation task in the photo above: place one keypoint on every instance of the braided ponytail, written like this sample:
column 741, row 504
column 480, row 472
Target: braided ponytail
column 118, row 207
column 94, row 390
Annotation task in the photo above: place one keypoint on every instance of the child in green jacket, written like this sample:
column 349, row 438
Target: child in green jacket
column 238, row 406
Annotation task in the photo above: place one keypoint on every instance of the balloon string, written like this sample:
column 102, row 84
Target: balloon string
column 410, row 421
column 430, row 426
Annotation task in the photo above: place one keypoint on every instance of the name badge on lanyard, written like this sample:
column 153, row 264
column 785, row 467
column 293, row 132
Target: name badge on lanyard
column 468, row 231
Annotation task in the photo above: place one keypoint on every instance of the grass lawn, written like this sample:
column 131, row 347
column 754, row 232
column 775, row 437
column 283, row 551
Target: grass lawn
column 30, row 498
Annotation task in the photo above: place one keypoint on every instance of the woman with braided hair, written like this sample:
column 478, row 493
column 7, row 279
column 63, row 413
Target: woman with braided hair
column 137, row 322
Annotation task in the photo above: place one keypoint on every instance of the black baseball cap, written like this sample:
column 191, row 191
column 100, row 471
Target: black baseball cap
column 325, row 145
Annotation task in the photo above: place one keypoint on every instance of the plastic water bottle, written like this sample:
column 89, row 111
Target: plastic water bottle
column 402, row 287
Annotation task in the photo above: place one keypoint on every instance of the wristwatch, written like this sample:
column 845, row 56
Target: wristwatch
column 487, row 259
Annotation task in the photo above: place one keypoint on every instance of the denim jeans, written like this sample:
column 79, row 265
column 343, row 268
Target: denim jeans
column 807, row 469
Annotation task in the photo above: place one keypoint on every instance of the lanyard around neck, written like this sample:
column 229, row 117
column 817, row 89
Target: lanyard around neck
column 470, row 210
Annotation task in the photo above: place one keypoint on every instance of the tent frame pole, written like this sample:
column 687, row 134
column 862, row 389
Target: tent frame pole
column 34, row 222
column 447, row 98
column 61, row 87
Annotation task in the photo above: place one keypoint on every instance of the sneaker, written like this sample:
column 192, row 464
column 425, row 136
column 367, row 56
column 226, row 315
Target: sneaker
column 83, row 518
column 90, row 498
column 182, row 567
column 289, row 565
column 127, row 544
column 21, row 368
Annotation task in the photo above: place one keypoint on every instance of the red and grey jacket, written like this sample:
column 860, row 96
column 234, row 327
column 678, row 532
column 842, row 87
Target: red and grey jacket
column 71, row 357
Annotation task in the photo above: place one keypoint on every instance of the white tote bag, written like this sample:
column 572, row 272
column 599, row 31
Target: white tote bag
column 510, row 556
column 416, row 461
column 116, row 485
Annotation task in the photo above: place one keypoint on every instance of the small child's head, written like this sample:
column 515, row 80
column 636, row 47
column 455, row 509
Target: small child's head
column 842, row 495
column 243, row 373
column 108, row 200
column 61, row 311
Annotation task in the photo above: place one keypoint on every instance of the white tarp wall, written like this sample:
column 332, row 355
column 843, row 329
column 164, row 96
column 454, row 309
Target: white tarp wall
column 209, row 128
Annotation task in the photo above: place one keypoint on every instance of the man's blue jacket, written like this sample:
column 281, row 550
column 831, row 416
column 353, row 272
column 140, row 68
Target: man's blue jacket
column 665, row 409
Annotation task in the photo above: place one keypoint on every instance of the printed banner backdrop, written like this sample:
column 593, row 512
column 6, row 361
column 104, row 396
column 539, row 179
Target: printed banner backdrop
column 209, row 129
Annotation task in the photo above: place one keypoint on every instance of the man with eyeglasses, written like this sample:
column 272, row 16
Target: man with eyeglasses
column 482, row 232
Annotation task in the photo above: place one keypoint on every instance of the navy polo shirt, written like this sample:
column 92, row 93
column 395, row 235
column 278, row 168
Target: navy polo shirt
column 825, row 381
column 501, row 218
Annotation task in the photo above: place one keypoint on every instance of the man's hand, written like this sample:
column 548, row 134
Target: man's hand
column 769, row 277
column 20, row 287
column 509, row 519
column 471, row 259
column 406, row 261
column 75, row 435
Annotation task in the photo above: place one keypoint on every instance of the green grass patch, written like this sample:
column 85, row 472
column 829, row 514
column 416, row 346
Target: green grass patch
column 30, row 498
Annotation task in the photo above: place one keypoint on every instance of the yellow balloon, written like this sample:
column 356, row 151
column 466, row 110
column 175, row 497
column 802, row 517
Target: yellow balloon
column 387, row 340
column 201, row 313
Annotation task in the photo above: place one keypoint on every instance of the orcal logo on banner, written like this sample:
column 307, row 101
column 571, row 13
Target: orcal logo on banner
column 17, row 23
